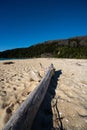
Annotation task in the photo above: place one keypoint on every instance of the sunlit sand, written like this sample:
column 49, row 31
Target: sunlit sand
column 17, row 81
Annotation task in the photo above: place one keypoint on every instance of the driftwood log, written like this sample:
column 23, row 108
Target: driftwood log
column 23, row 118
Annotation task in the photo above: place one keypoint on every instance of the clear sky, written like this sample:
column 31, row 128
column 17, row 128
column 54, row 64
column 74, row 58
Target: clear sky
column 27, row 22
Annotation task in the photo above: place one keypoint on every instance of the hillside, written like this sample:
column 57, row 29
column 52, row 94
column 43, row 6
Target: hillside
column 69, row 48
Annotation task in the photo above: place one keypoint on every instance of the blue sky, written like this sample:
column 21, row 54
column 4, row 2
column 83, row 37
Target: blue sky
column 27, row 22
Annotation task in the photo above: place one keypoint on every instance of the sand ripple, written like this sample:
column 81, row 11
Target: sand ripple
column 16, row 82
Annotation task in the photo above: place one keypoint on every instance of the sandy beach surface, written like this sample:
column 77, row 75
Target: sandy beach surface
column 69, row 103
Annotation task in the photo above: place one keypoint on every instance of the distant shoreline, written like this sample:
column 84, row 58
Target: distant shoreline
column 2, row 59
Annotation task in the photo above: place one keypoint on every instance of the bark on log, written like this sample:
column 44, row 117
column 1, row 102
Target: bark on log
column 25, row 115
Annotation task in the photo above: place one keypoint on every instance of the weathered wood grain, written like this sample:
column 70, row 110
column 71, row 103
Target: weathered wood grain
column 24, row 116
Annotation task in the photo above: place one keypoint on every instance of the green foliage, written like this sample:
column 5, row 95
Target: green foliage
column 71, row 52
column 53, row 49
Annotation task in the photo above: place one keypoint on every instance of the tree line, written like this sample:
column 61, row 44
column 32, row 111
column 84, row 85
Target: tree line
column 71, row 49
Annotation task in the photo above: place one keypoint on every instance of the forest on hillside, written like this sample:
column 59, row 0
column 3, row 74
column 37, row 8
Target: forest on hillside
column 71, row 48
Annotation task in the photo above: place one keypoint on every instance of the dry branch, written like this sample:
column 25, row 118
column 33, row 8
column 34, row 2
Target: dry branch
column 25, row 115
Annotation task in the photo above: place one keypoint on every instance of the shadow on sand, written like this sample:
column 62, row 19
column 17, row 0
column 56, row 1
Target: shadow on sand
column 44, row 118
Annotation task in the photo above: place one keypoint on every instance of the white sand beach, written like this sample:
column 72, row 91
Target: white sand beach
column 17, row 80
